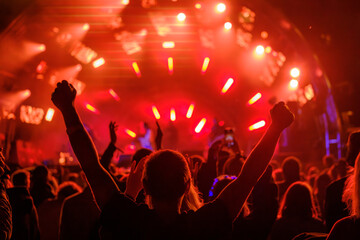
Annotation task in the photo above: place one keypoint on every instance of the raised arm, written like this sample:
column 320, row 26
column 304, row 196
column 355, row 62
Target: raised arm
column 5, row 208
column 236, row 193
column 100, row 181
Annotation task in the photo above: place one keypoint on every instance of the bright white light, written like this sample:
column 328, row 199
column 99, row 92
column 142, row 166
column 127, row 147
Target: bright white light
column 181, row 17
column 228, row 25
column 293, row 84
column 294, row 72
column 220, row 7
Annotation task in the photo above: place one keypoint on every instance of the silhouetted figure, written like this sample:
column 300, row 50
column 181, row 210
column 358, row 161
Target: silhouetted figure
column 24, row 214
column 5, row 208
column 41, row 188
column 291, row 172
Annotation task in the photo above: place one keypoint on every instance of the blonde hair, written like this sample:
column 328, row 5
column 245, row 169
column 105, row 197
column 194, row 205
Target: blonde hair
column 351, row 194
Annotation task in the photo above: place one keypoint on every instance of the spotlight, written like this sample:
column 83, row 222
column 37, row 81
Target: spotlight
column 156, row 112
column 172, row 115
column 49, row 114
column 293, row 84
column 171, row 65
column 205, row 65
column 228, row 25
column 220, row 7
column 197, row 5
column 254, row 99
column 42, row 48
column 268, row 49
column 136, row 69
column 168, row 44
column 227, row 85
column 91, row 108
column 259, row 51
column 99, row 62
column 295, row 72
column 200, row 125
column 114, row 94
column 130, row 133
column 181, row 17
column 257, row 125
column 190, row 111
column 86, row 27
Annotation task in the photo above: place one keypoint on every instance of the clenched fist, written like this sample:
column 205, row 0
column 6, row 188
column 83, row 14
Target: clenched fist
column 64, row 95
column 281, row 116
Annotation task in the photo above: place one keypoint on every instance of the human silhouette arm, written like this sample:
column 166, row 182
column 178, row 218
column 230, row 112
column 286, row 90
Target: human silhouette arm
column 236, row 193
column 105, row 159
column 5, row 208
column 159, row 136
column 100, row 181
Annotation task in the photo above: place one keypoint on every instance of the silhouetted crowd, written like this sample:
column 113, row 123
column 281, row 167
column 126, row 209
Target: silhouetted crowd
column 168, row 195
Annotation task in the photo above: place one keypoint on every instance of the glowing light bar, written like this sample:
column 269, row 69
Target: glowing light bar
column 190, row 111
column 294, row 72
column 227, row 85
column 181, row 17
column 136, row 69
column 49, row 114
column 130, row 133
column 114, row 94
column 227, row 25
column 172, row 114
column 200, row 125
column 171, row 65
column 220, row 7
column 254, row 99
column 205, row 65
column 197, row 5
column 293, row 84
column 168, row 44
column 99, row 62
column 156, row 112
column 86, row 27
column 91, row 108
column 257, row 125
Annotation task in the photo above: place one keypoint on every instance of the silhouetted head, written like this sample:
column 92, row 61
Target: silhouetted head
column 328, row 160
column 166, row 176
column 233, row 165
column 68, row 188
column 291, row 169
column 298, row 201
column 40, row 174
column 21, row 178
column 140, row 154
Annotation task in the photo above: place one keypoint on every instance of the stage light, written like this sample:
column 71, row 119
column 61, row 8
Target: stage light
column 156, row 112
column 114, row 94
column 228, row 25
column 31, row 115
column 181, row 17
column 200, row 125
column 41, row 68
column 227, row 85
column 91, row 108
column 221, row 123
column 42, row 48
column 254, row 99
column 168, row 44
column 79, row 67
column 26, row 93
column 293, row 84
column 172, row 115
column 136, row 69
column 197, row 5
column 295, row 72
column 130, row 133
column 220, row 7
column 264, row 35
column 205, row 65
column 125, row 2
column 86, row 27
column 260, row 50
column 49, row 114
column 190, row 111
column 257, row 125
column 268, row 49
column 171, row 65
column 99, row 62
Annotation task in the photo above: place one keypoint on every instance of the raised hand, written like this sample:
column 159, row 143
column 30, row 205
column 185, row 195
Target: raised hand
column 134, row 183
column 281, row 116
column 113, row 129
column 64, row 95
column 159, row 136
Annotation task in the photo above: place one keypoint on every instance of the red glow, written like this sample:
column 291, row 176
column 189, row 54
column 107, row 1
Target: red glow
column 205, row 65
column 255, row 98
column 49, row 114
column 171, row 65
column 91, row 108
column 136, row 69
column 221, row 123
column 172, row 115
column 257, row 125
column 168, row 44
column 156, row 112
column 200, row 125
column 99, row 62
column 114, row 94
column 26, row 93
column 130, row 133
column 42, row 48
column 197, row 5
column 227, row 85
column 190, row 111
column 41, row 67
column 86, row 27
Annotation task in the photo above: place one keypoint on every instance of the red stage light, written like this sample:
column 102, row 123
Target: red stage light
column 172, row 115
column 259, row 51
column 227, row 25
column 91, row 108
column 197, row 5
column 181, row 17
column 255, row 98
column 264, row 35
column 42, row 48
column 190, row 111
column 257, row 125
column 114, row 94
column 156, row 112
column 221, row 123
column 220, row 7
column 136, row 69
column 99, row 62
column 205, row 65
column 49, row 114
column 268, row 49
column 26, row 93
column 86, row 27
column 168, row 44
column 171, row 65
column 293, row 84
column 295, row 72
column 130, row 133
column 200, row 125
column 41, row 68
column 227, row 85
